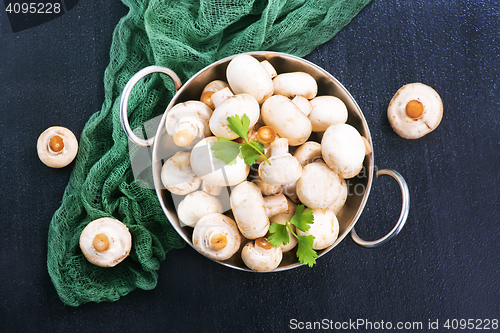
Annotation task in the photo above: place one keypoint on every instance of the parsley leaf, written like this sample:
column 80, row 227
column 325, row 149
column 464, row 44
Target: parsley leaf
column 305, row 253
column 226, row 150
column 239, row 126
column 279, row 234
column 302, row 220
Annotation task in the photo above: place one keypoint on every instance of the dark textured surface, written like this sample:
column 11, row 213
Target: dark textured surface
column 444, row 264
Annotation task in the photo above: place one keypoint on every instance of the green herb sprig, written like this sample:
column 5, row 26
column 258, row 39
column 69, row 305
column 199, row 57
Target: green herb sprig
column 302, row 221
column 227, row 150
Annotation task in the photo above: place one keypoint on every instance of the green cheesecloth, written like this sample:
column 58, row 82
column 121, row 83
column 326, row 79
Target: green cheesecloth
column 184, row 36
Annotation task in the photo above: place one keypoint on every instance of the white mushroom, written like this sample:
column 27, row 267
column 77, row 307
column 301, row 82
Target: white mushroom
column 196, row 205
column 341, row 197
column 211, row 189
column 210, row 89
column 220, row 96
column 290, row 190
column 282, row 219
column 213, row 170
column 57, row 147
column 187, row 121
column 252, row 211
column 343, row 150
column 269, row 68
column 303, row 104
column 325, row 229
column 177, row 175
column 326, row 111
column 245, row 74
column 261, row 256
column 295, row 84
column 266, row 188
column 216, row 236
column 286, row 118
column 105, row 242
column 415, row 110
column 284, row 168
column 319, row 186
column 234, row 105
column 307, row 153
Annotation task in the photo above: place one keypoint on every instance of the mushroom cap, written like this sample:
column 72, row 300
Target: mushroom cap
column 57, row 159
column 285, row 117
column 215, row 86
column 319, row 186
column 213, row 170
column 245, row 74
column 234, row 105
column 284, row 169
column 196, row 112
column 307, row 152
column 266, row 188
column 341, row 197
column 326, row 111
column 295, row 84
column 196, row 205
column 343, row 150
column 211, row 226
column 177, row 175
column 249, row 210
column 282, row 219
column 120, row 242
column 260, row 259
column 325, row 229
column 414, row 128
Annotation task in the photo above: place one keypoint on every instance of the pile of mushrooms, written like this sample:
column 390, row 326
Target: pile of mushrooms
column 284, row 110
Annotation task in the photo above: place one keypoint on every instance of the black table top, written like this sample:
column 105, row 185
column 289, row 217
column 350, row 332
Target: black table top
column 443, row 266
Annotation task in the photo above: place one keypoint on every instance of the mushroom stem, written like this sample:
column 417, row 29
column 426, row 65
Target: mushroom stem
column 276, row 204
column 100, row 242
column 279, row 147
column 186, row 131
column 56, row 144
column 218, row 241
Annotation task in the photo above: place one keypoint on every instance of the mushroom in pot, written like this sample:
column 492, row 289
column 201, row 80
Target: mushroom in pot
column 261, row 256
column 325, row 229
column 196, row 205
column 187, row 121
column 326, row 111
column 284, row 168
column 252, row 211
column 295, row 84
column 216, row 236
column 210, row 89
column 282, row 219
column 177, row 175
column 57, row 147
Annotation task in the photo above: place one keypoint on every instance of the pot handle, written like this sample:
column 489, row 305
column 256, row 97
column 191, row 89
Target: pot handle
column 126, row 94
column 402, row 218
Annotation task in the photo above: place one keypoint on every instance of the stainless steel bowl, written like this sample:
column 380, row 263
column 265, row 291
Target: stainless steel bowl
column 359, row 186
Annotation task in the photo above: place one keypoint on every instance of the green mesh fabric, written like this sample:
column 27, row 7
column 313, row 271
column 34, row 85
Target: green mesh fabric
column 184, row 36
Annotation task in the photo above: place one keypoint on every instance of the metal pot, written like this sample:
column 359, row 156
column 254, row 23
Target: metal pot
column 163, row 148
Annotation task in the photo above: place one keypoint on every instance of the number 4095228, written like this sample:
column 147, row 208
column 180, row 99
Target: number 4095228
column 33, row 8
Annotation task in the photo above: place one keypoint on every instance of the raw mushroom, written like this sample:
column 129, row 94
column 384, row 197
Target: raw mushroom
column 341, row 197
column 343, row 150
column 295, row 84
column 211, row 189
column 187, row 121
column 216, row 236
column 325, row 229
column 213, row 170
column 415, row 110
column 307, row 153
column 261, row 256
column 177, row 175
column 57, row 147
column 196, row 205
column 326, row 111
column 105, row 242
column 252, row 211
column 319, row 186
column 286, row 118
column 266, row 188
column 234, row 105
column 284, row 168
column 269, row 68
column 282, row 219
column 220, row 96
column 210, row 89
column 245, row 74
column 303, row 104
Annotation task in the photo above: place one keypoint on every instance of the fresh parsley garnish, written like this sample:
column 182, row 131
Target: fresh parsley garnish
column 228, row 151
column 302, row 221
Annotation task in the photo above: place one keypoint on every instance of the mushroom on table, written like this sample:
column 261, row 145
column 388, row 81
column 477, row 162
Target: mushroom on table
column 57, row 147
